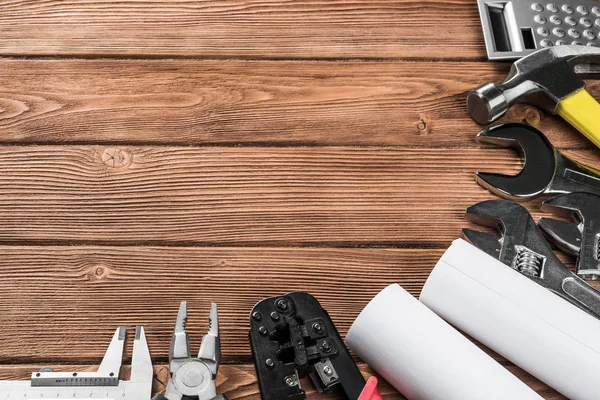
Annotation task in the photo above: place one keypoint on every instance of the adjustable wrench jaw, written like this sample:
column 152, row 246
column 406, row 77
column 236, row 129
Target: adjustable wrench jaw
column 564, row 235
column 545, row 171
column 518, row 234
column 580, row 237
column 522, row 247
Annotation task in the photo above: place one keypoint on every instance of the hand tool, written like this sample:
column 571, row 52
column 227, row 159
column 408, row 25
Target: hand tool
column 513, row 29
column 546, row 171
column 103, row 384
column 424, row 357
column 512, row 315
column 522, row 246
column 582, row 237
column 190, row 376
column 292, row 337
column 551, row 79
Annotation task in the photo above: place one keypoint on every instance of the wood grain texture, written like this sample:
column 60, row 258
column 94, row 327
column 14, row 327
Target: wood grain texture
column 252, row 103
column 333, row 154
column 88, row 291
column 74, row 297
column 243, row 196
column 239, row 381
column 274, row 29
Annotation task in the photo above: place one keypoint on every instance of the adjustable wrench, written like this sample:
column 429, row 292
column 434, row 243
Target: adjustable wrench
column 522, row 247
column 580, row 238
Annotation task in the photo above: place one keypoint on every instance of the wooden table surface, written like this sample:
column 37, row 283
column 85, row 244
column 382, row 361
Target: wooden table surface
column 159, row 151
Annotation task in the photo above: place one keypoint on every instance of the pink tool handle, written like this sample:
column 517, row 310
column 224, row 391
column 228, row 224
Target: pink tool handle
column 370, row 391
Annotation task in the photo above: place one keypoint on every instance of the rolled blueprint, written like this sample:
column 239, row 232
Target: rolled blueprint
column 537, row 330
column 424, row 357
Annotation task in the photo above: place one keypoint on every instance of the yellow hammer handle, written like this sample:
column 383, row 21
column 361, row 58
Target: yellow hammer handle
column 582, row 111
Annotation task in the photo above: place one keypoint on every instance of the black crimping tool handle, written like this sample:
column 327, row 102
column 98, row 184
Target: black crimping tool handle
column 293, row 337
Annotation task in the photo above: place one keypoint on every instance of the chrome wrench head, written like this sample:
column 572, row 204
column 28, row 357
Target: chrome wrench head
column 518, row 235
column 539, row 166
column 582, row 235
column 546, row 171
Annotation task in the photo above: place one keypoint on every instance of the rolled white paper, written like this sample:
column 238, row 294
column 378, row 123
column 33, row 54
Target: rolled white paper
column 534, row 328
column 424, row 357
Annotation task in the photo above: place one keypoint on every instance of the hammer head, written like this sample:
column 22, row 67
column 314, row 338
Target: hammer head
column 542, row 78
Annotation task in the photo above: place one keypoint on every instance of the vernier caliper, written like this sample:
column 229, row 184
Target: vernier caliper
column 103, row 384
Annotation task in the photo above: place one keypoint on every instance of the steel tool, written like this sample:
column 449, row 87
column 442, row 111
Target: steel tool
column 103, row 384
column 513, row 29
column 580, row 238
column 546, row 171
column 293, row 337
column 190, row 376
column 522, row 246
column 551, row 79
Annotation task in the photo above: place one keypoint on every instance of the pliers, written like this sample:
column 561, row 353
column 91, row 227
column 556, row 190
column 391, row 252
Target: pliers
column 522, row 246
column 546, row 171
column 581, row 236
column 190, row 376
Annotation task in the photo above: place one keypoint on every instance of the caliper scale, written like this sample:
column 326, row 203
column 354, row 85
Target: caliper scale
column 103, row 384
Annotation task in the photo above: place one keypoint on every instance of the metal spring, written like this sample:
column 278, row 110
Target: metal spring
column 529, row 263
column 598, row 247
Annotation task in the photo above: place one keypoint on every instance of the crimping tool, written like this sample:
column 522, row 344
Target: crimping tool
column 293, row 337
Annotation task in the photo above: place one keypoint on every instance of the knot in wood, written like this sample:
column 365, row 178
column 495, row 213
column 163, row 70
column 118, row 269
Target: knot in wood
column 424, row 125
column 96, row 273
column 532, row 116
column 115, row 157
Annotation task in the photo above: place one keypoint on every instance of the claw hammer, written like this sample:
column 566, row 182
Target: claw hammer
column 551, row 79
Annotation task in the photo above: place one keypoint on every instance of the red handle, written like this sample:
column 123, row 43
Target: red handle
column 370, row 391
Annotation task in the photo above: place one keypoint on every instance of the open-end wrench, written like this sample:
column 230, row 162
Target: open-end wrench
column 546, row 171
column 522, row 246
column 582, row 236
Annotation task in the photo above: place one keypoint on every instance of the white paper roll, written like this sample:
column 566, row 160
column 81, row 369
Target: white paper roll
column 424, row 357
column 519, row 319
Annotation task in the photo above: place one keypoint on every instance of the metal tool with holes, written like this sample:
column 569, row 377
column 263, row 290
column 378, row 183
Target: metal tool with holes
column 546, row 171
column 193, row 376
column 513, row 29
column 551, row 79
column 581, row 237
column 293, row 337
column 103, row 384
column 522, row 246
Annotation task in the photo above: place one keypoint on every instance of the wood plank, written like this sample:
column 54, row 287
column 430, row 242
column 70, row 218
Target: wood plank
column 65, row 302
column 273, row 29
column 239, row 381
column 252, row 103
column 243, row 196
column 207, row 196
